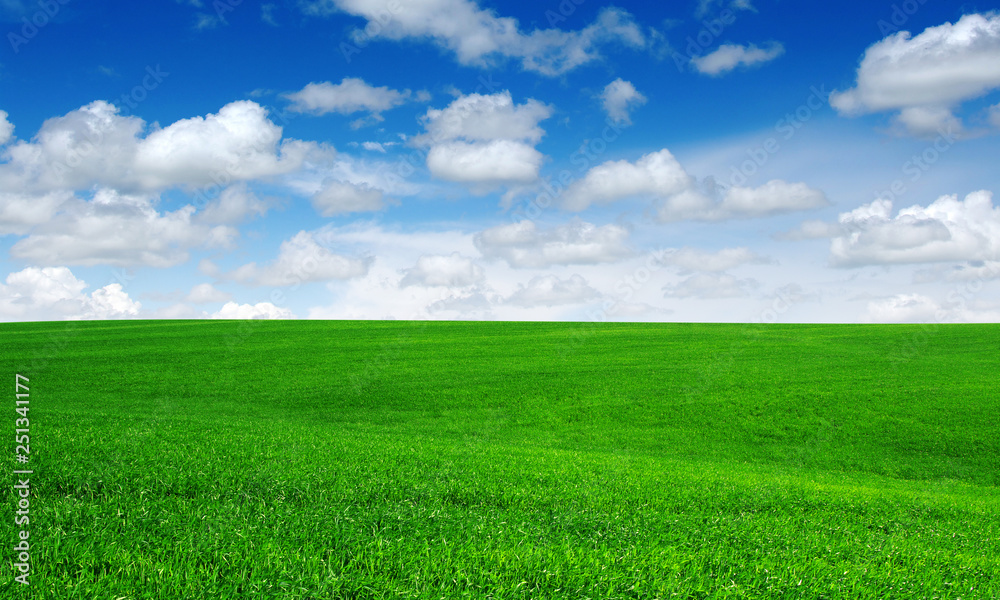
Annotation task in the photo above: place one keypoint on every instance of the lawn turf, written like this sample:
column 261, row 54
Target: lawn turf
column 388, row 459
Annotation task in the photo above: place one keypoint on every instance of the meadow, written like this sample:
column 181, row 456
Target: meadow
column 383, row 459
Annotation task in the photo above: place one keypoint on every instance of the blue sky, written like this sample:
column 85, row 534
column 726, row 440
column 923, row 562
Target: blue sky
column 709, row 160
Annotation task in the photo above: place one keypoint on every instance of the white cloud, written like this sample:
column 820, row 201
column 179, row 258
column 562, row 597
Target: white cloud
column 340, row 197
column 205, row 293
column 948, row 229
column 727, row 57
column 994, row 115
column 902, row 308
column 692, row 259
column 233, row 205
column 267, row 14
column 54, row 292
column 119, row 229
column 452, row 270
column 205, row 21
column 549, row 290
column 619, row 98
column 496, row 162
column 349, row 96
column 929, row 121
column 485, row 139
column 20, row 212
column 927, row 76
column 477, row 35
column 480, row 117
column 775, row 196
column 301, row 260
column 95, row 146
column 957, row 307
column 981, row 270
column 710, row 286
column 109, row 302
column 261, row 310
column 6, row 128
column 473, row 305
column 373, row 174
column 373, row 147
column 523, row 245
column 238, row 141
column 657, row 174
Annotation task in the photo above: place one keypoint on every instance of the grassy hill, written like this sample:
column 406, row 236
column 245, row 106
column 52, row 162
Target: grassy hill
column 318, row 459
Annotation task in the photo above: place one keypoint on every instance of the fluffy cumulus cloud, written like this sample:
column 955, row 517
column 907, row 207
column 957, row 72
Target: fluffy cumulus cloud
column 301, row 260
column 6, row 128
column 619, row 98
column 549, row 290
column 926, row 76
column 54, row 292
column 349, row 96
column 524, row 245
column 949, row 229
column 121, row 230
column 261, row 310
column 96, row 146
column 20, row 212
column 234, row 205
column 659, row 177
column 340, row 197
column 657, row 174
column 727, row 57
column 452, row 270
column 478, row 36
column 499, row 161
column 775, row 196
column 485, row 139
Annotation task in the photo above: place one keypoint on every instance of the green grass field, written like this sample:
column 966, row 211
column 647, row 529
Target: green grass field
column 305, row 459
